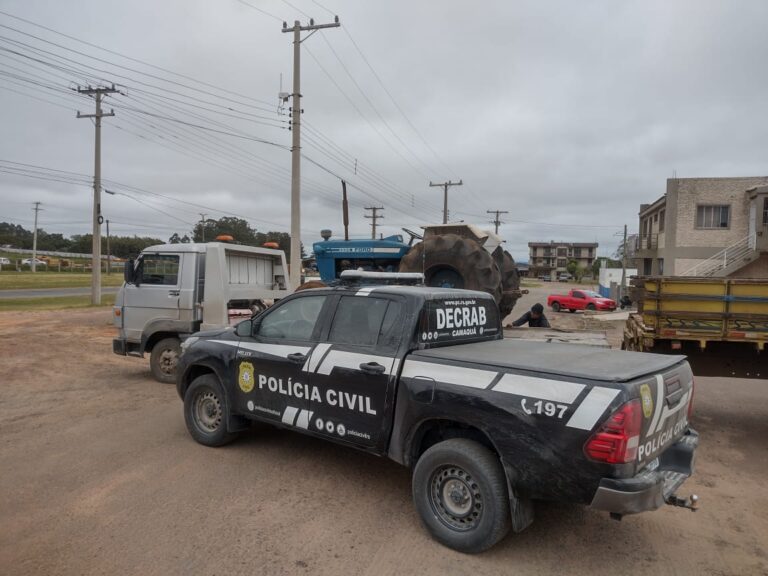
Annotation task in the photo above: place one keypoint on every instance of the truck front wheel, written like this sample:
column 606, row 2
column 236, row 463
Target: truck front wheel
column 460, row 492
column 555, row 306
column 164, row 358
column 206, row 412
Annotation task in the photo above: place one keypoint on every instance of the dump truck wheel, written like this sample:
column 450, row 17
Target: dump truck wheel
column 454, row 262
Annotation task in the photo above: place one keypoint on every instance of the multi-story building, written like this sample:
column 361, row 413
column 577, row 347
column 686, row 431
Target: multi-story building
column 706, row 227
column 552, row 257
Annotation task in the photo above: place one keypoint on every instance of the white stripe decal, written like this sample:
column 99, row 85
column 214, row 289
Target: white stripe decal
column 289, row 415
column 659, row 402
column 543, row 388
column 352, row 360
column 667, row 412
column 592, row 407
column 317, row 355
column 305, row 417
column 448, row 374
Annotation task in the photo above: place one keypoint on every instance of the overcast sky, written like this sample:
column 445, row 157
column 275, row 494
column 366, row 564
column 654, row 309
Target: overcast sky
column 559, row 112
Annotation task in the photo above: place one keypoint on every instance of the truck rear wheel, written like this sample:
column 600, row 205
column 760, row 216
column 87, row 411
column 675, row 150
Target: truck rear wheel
column 206, row 412
column 460, row 492
column 164, row 358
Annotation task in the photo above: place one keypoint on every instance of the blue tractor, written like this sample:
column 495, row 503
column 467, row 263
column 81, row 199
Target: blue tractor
column 449, row 255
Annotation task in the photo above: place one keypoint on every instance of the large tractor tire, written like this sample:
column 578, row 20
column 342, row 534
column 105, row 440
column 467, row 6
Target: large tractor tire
column 510, row 281
column 451, row 261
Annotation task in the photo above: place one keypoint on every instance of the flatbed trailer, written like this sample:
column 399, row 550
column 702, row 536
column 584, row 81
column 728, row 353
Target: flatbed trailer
column 720, row 323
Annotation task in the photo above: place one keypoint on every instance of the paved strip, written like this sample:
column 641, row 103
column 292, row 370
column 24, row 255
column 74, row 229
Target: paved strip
column 54, row 292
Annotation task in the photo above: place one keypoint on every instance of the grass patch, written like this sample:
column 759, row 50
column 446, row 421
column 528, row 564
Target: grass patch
column 12, row 280
column 53, row 303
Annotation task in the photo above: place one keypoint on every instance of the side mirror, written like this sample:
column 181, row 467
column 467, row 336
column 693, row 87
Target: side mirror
column 244, row 328
column 128, row 272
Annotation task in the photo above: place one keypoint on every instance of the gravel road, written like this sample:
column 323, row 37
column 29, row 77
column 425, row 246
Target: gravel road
column 99, row 476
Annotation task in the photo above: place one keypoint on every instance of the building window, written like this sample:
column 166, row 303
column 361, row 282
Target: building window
column 765, row 210
column 662, row 214
column 661, row 266
column 562, row 251
column 647, row 266
column 713, row 216
column 561, row 263
column 577, row 252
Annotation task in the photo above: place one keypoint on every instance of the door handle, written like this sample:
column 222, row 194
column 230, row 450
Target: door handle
column 174, row 292
column 297, row 358
column 372, row 368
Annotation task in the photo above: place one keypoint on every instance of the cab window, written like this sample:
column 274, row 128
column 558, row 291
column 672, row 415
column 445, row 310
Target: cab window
column 578, row 295
column 294, row 320
column 162, row 269
column 365, row 321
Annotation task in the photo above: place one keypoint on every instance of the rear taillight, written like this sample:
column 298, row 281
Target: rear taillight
column 616, row 441
column 690, row 400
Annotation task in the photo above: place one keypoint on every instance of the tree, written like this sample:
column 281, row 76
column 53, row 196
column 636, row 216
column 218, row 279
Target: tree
column 238, row 228
column 176, row 239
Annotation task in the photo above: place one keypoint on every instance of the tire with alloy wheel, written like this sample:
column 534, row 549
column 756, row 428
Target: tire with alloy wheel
column 460, row 492
column 591, row 307
column 164, row 358
column 556, row 306
column 206, row 412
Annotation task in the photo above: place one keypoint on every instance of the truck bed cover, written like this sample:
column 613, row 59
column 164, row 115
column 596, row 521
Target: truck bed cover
column 587, row 362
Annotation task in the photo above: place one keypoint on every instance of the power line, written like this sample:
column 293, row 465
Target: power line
column 252, row 7
column 132, row 59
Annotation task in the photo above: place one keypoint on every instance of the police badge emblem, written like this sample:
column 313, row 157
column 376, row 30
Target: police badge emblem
column 245, row 377
column 647, row 399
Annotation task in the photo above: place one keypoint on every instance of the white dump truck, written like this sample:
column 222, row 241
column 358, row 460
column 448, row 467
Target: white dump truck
column 173, row 290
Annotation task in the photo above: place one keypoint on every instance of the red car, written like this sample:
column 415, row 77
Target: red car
column 580, row 300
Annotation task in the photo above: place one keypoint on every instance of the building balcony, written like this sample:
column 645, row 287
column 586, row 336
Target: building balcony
column 645, row 243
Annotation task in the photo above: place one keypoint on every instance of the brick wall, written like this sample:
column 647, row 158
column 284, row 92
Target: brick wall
column 692, row 192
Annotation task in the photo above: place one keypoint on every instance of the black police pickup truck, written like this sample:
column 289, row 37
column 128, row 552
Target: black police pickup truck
column 424, row 377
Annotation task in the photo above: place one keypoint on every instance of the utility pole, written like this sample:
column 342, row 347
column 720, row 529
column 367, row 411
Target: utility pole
column 375, row 217
column 109, row 254
column 97, row 93
column 445, row 186
column 34, row 238
column 623, row 265
column 345, row 209
column 497, row 222
column 202, row 224
column 295, row 264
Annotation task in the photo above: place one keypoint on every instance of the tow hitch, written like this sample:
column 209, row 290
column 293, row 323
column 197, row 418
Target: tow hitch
column 692, row 502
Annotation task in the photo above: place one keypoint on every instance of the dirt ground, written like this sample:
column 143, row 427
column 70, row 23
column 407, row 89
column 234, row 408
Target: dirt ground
column 99, row 476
